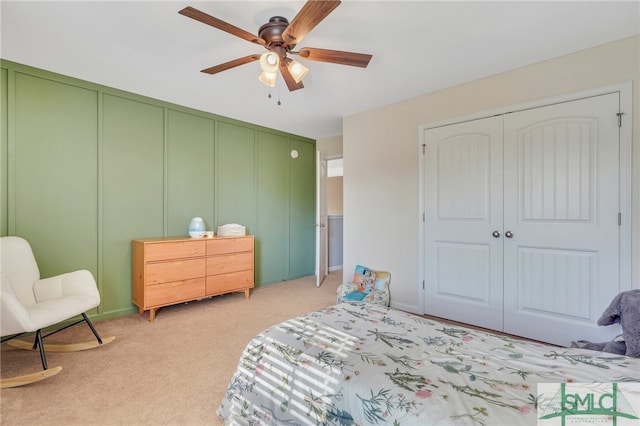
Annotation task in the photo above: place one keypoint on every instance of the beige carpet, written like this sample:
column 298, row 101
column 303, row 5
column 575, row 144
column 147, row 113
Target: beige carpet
column 173, row 371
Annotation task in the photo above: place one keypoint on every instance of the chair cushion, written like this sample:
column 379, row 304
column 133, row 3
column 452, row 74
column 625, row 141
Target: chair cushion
column 355, row 295
column 55, row 311
column 19, row 268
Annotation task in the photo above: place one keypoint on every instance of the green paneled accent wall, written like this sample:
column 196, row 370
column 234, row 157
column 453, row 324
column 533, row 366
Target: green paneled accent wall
column 236, row 175
column 85, row 169
column 4, row 136
column 133, row 193
column 190, row 181
column 301, row 209
column 54, row 175
column 273, row 205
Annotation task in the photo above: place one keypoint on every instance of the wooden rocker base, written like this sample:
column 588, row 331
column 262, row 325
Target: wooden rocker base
column 70, row 347
column 12, row 382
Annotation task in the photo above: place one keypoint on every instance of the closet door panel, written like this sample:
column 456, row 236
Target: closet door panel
column 561, row 205
column 463, row 185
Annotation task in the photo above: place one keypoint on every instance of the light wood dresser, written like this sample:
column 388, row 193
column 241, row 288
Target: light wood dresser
column 166, row 271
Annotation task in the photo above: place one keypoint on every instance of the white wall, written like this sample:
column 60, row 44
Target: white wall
column 380, row 150
column 330, row 147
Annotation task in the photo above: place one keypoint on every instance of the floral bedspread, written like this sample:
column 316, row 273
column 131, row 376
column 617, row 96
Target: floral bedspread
column 363, row 364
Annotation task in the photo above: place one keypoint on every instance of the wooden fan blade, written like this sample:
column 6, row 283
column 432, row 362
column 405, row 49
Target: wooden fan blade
column 311, row 14
column 221, row 25
column 288, row 78
column 335, row 56
column 231, row 64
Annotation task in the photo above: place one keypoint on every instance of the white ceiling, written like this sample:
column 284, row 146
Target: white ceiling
column 146, row 47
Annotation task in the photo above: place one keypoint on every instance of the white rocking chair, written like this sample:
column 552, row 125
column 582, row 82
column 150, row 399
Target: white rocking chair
column 30, row 304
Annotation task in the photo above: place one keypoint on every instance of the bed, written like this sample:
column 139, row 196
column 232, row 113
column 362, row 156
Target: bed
column 363, row 364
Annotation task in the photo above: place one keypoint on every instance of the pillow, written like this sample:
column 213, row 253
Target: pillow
column 382, row 279
column 364, row 278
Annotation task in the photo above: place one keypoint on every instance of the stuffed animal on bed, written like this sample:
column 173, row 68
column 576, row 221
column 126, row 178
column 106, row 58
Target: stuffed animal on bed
column 624, row 309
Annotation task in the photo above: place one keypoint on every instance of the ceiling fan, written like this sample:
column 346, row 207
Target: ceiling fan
column 279, row 37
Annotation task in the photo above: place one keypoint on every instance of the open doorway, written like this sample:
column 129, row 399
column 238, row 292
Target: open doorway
column 334, row 212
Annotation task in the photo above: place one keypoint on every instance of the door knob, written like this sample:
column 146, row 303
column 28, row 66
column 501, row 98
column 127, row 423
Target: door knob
column 508, row 234
column 496, row 234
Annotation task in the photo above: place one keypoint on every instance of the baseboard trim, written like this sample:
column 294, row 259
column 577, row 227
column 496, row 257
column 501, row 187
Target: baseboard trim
column 407, row 308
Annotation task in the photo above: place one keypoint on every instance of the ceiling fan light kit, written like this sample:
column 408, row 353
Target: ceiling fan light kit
column 268, row 78
column 269, row 62
column 297, row 70
column 279, row 37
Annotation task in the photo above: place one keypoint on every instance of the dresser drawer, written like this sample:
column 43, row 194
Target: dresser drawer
column 229, row 245
column 176, row 270
column 223, row 283
column 174, row 292
column 174, row 250
column 229, row 263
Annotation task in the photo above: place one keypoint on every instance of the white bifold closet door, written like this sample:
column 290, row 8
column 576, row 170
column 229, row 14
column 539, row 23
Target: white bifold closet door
column 521, row 220
column 463, row 185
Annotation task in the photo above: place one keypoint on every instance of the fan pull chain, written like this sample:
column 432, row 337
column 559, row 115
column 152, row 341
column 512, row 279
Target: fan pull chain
column 269, row 93
column 279, row 103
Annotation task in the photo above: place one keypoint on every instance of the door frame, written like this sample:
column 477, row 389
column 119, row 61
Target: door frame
column 625, row 89
column 322, row 243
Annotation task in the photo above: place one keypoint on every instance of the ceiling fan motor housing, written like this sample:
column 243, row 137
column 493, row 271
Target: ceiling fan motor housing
column 271, row 32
